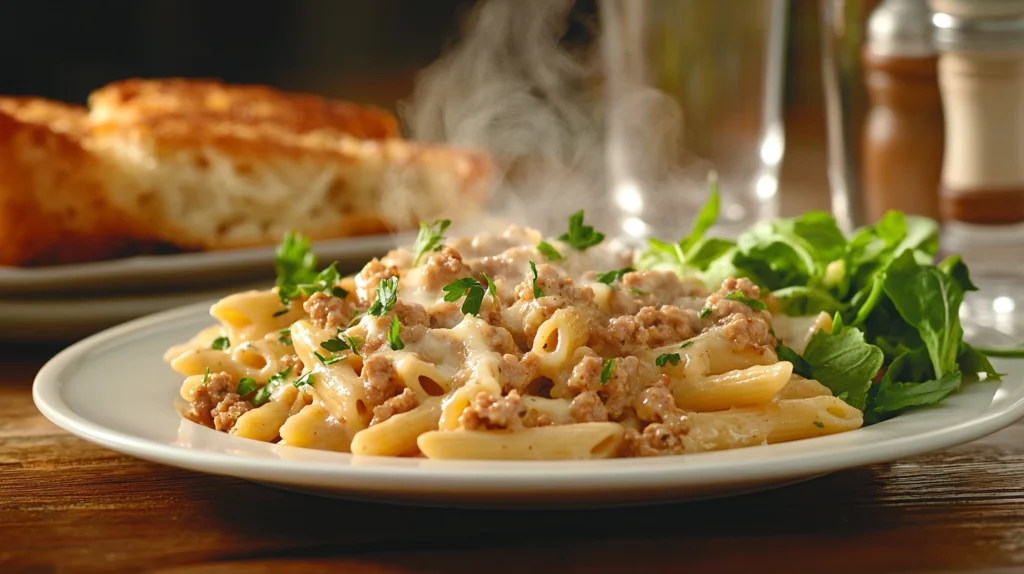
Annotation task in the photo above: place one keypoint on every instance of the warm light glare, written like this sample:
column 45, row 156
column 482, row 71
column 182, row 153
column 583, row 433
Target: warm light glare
column 635, row 227
column 771, row 149
column 628, row 197
column 766, row 186
column 1003, row 305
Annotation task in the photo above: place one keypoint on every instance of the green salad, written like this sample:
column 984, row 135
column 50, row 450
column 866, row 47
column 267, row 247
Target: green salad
column 896, row 341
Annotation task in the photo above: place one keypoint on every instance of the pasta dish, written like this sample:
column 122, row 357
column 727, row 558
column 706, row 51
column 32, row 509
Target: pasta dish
column 510, row 345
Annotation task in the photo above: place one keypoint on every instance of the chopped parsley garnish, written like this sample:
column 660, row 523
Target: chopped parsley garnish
column 686, row 344
column 749, row 302
column 206, row 377
column 549, row 251
column 606, row 372
column 819, row 424
column 220, row 344
column 609, row 277
column 666, row 358
column 356, row 316
column 473, row 290
column 307, row 379
column 393, row 335
column 537, row 293
column 387, row 295
column 430, row 238
column 246, row 385
column 636, row 291
column 263, row 395
column 705, row 312
column 296, row 271
column 328, row 361
column 353, row 344
column 580, row 237
column 281, row 312
column 334, row 345
column 284, row 336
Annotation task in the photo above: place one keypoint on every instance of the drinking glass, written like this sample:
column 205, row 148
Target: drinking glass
column 692, row 87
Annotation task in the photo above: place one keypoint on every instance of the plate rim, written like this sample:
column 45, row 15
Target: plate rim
column 519, row 477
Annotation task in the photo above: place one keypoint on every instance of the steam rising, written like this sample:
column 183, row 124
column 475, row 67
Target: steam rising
column 511, row 87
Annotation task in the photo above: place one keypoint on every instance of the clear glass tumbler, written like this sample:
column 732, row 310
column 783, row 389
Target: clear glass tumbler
column 692, row 86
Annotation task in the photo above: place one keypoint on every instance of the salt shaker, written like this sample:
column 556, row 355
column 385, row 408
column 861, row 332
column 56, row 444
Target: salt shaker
column 902, row 144
column 981, row 77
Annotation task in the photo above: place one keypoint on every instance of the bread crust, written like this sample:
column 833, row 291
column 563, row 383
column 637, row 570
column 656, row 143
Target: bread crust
column 158, row 165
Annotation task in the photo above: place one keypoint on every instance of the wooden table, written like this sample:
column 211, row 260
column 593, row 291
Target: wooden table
column 68, row 505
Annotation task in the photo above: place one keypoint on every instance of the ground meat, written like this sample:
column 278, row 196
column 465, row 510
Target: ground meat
column 367, row 279
column 411, row 314
column 722, row 307
column 227, row 411
column 666, row 287
column 668, row 423
column 445, row 315
column 534, row 315
column 292, row 362
column 442, row 268
column 587, row 407
column 748, row 332
column 516, row 373
column 380, row 380
column 490, row 412
column 621, row 389
column 207, row 396
column 535, row 419
column 403, row 402
column 216, row 405
column 554, row 284
column 328, row 312
column 650, row 327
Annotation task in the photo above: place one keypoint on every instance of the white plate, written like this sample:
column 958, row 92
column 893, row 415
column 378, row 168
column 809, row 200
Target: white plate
column 114, row 390
column 182, row 269
column 71, row 319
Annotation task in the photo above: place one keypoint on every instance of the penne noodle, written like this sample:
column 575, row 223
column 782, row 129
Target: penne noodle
column 818, row 416
column 397, row 435
column 748, row 387
column 567, row 442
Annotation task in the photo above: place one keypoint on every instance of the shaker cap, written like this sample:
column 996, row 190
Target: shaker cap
column 978, row 25
column 901, row 28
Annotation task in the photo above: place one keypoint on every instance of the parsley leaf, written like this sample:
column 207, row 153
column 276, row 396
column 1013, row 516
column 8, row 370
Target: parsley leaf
column 328, row 361
column 334, row 345
column 430, row 238
column 263, row 395
column 284, row 336
column 491, row 289
column 686, row 344
column 387, row 295
column 246, row 385
column 580, row 237
column 353, row 344
column 609, row 277
column 220, row 344
column 308, row 379
column 472, row 289
column 281, row 312
column 206, row 376
column 537, row 293
column 607, row 370
column 754, row 304
column 549, row 251
column 666, row 358
column 394, row 338
column 294, row 262
column 705, row 312
column 456, row 289
column 819, row 424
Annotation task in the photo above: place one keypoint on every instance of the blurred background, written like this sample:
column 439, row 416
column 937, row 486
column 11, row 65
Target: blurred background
column 359, row 50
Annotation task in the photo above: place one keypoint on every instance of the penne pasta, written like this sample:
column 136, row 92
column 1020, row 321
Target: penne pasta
column 397, row 436
column 749, row 387
column 566, row 442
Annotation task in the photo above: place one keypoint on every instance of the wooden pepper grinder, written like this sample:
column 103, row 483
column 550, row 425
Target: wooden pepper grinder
column 903, row 134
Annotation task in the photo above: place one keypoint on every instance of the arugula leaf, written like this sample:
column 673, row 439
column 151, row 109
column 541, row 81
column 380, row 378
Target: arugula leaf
column 607, row 370
column 706, row 217
column 537, row 293
column 894, row 396
column 394, row 338
column 800, row 300
column 609, row 277
column 955, row 267
column 549, row 251
column 800, row 365
column 220, row 344
column 706, row 251
column 430, row 238
column 580, row 237
column 694, row 251
column 973, row 362
column 667, row 358
column 843, row 361
column 929, row 300
column 387, row 296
